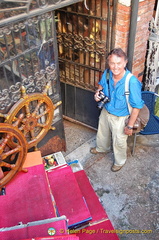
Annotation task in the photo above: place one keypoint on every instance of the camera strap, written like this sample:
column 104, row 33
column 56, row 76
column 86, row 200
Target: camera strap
column 107, row 75
column 127, row 93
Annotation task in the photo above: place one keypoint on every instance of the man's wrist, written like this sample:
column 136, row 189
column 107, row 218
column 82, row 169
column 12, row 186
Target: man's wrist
column 98, row 90
column 129, row 127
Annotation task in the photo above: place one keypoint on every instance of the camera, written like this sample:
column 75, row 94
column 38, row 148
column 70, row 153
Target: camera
column 103, row 99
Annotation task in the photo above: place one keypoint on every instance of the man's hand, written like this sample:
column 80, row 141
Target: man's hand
column 128, row 131
column 96, row 96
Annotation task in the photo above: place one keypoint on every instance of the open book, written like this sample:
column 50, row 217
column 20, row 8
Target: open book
column 54, row 160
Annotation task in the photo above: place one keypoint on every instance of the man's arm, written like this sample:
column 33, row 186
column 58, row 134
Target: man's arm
column 132, row 119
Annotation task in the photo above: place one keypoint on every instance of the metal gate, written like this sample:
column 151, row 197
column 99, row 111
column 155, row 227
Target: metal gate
column 85, row 35
column 28, row 59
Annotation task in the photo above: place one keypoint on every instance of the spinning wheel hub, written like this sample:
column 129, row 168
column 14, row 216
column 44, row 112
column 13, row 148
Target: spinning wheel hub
column 30, row 123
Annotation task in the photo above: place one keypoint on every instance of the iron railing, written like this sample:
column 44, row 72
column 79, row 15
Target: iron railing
column 85, row 34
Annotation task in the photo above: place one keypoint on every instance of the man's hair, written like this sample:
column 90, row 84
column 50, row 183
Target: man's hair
column 118, row 52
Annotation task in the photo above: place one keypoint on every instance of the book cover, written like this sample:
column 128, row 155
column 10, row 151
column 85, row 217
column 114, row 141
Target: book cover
column 54, row 160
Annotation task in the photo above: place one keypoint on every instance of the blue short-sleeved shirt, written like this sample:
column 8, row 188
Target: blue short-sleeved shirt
column 118, row 105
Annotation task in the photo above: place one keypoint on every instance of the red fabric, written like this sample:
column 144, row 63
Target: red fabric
column 16, row 234
column 96, row 209
column 68, row 237
column 27, row 198
column 24, row 231
column 42, row 230
column 99, row 231
column 69, row 200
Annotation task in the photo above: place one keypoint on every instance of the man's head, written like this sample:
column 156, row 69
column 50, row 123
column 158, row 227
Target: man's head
column 117, row 61
column 118, row 52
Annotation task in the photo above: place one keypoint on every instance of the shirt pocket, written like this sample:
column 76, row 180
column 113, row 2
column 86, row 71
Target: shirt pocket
column 120, row 99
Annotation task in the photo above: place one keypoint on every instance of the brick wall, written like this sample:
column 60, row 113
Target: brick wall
column 122, row 26
column 145, row 14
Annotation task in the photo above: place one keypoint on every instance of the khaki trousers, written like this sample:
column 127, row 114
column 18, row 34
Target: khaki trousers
column 111, row 130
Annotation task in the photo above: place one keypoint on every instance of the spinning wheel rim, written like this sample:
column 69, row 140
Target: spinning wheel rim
column 11, row 132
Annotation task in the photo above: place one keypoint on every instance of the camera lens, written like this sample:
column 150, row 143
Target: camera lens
column 102, row 102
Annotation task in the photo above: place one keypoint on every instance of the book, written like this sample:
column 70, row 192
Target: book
column 54, row 160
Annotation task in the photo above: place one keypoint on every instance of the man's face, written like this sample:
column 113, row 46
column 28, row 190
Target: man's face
column 117, row 64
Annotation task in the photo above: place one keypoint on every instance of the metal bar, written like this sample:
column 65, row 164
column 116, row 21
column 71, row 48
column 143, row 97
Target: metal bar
column 113, row 24
column 19, row 70
column 38, row 11
column 21, row 40
column 82, row 65
column 83, row 14
column 157, row 14
column 12, row 9
column 77, row 122
column 5, row 75
column 17, row 1
column 12, row 72
column 6, row 45
column 18, row 56
column 27, row 34
column 32, row 64
column 132, row 32
column 46, row 29
column 13, row 40
column 108, row 27
column 95, row 36
column 134, row 144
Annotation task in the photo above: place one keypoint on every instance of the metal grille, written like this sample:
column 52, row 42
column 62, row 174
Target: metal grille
column 85, row 36
column 28, row 48
column 27, row 58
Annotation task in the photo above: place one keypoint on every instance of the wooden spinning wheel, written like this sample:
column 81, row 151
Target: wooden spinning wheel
column 38, row 111
column 13, row 151
column 27, row 122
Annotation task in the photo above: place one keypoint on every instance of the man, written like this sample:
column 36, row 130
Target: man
column 112, row 118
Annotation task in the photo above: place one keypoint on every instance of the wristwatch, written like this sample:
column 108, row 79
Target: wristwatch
column 129, row 127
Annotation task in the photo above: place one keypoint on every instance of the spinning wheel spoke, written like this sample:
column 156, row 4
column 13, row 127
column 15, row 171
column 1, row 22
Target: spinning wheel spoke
column 42, row 125
column 37, row 108
column 43, row 113
column 7, row 165
column 11, row 152
column 32, row 134
column 26, row 109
